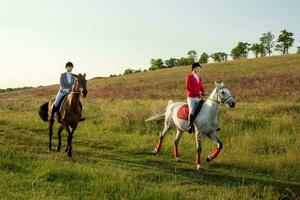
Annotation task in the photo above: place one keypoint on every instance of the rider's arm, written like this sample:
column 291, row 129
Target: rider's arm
column 63, row 87
column 202, row 90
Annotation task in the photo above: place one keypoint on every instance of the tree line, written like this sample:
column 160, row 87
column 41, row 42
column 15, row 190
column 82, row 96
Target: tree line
column 14, row 89
column 264, row 47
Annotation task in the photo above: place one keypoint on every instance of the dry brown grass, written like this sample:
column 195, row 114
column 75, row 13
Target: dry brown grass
column 248, row 80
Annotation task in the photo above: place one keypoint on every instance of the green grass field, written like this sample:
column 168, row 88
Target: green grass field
column 112, row 148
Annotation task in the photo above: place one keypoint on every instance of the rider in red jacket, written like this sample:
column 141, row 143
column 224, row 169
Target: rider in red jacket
column 195, row 91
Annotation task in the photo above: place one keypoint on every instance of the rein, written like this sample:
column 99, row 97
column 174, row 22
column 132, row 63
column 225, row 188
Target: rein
column 222, row 99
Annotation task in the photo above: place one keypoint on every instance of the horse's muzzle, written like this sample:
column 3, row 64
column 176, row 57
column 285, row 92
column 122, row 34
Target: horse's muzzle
column 232, row 104
column 84, row 92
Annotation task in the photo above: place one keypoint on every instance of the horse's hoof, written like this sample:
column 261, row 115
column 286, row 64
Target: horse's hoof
column 49, row 150
column 154, row 152
column 178, row 159
column 58, row 149
column 69, row 154
column 208, row 159
column 199, row 167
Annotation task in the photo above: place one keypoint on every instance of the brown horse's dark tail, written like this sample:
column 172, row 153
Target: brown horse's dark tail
column 43, row 111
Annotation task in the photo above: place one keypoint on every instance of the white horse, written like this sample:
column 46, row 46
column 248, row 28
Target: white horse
column 206, row 122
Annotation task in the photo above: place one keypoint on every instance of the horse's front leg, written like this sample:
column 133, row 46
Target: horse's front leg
column 60, row 129
column 176, row 142
column 70, row 137
column 215, row 153
column 50, row 129
column 198, row 149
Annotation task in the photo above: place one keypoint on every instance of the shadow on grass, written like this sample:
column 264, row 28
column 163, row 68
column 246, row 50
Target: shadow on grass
column 206, row 176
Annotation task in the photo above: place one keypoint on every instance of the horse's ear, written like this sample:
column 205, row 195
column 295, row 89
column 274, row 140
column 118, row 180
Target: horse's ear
column 79, row 74
column 222, row 83
column 84, row 75
column 216, row 84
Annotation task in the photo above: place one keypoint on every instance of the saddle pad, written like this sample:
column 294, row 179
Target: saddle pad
column 183, row 112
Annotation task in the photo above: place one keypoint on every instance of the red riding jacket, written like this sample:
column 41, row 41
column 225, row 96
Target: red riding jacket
column 193, row 87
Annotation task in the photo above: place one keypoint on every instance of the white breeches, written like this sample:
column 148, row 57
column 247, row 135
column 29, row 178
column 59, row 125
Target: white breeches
column 58, row 98
column 192, row 102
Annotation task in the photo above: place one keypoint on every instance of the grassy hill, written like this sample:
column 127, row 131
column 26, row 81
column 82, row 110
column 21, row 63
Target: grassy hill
column 111, row 149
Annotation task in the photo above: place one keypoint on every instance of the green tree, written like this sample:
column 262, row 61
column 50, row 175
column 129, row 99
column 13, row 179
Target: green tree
column 219, row 56
column 184, row 61
column 215, row 57
column 285, row 41
column 137, row 71
column 192, row 55
column 258, row 49
column 128, row 71
column 267, row 41
column 203, row 58
column 240, row 51
column 156, row 64
column 223, row 56
column 171, row 62
column 298, row 49
column 152, row 68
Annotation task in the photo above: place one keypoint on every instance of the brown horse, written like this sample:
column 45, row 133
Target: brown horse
column 70, row 113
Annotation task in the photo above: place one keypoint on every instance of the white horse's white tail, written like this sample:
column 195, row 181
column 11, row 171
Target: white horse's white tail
column 159, row 116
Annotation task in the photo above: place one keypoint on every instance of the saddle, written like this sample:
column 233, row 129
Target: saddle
column 183, row 112
column 62, row 101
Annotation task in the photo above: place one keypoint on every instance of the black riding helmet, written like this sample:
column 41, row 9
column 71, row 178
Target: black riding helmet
column 194, row 65
column 69, row 64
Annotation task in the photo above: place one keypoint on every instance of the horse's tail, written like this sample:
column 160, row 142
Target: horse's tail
column 43, row 111
column 159, row 116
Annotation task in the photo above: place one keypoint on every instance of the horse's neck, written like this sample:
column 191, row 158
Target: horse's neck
column 212, row 104
column 75, row 97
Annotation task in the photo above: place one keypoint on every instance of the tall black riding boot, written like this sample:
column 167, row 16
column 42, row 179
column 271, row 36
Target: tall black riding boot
column 53, row 111
column 191, row 128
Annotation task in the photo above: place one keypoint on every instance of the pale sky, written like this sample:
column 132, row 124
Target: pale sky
column 37, row 37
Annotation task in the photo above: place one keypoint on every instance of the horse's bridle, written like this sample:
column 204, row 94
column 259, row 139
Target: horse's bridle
column 219, row 96
column 79, row 90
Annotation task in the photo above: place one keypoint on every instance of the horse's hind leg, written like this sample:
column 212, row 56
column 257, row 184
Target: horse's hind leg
column 215, row 153
column 162, row 135
column 60, row 129
column 50, row 129
column 177, row 139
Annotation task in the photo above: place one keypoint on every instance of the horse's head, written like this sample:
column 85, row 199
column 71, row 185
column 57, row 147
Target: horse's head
column 80, row 83
column 223, row 95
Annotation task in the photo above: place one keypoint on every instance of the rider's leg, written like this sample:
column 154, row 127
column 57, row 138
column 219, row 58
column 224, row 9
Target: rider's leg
column 192, row 104
column 55, row 108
